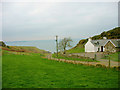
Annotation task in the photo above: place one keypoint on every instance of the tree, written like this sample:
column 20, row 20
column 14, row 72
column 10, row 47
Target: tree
column 2, row 44
column 64, row 43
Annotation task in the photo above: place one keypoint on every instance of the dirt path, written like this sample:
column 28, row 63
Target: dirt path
column 112, row 63
column 103, row 62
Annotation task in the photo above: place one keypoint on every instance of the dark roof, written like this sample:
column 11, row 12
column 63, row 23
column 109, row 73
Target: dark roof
column 116, row 42
column 102, row 42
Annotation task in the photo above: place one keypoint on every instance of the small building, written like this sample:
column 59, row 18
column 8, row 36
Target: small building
column 103, row 45
column 112, row 46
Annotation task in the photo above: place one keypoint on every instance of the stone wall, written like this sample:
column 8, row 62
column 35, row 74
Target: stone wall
column 109, row 47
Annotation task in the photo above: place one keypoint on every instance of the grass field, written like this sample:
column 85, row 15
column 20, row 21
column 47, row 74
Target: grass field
column 76, row 50
column 32, row 71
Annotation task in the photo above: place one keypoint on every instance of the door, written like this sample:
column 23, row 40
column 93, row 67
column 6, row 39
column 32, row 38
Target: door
column 101, row 48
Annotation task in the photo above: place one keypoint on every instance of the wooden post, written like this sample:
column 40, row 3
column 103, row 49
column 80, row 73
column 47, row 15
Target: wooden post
column 109, row 61
column 57, row 45
column 95, row 56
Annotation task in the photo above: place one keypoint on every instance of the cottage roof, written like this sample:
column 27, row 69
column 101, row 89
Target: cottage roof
column 116, row 42
column 102, row 42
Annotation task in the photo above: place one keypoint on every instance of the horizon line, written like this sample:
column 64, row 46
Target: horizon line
column 36, row 40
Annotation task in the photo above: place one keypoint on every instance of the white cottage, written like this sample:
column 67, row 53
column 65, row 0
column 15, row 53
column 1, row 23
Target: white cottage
column 99, row 45
column 95, row 45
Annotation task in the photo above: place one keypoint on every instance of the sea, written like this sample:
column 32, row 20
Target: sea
column 48, row 45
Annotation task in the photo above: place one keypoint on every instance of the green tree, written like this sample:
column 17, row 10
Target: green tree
column 64, row 43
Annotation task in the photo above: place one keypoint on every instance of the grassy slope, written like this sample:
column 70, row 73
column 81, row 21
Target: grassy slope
column 32, row 71
column 24, row 49
column 79, row 48
column 76, row 50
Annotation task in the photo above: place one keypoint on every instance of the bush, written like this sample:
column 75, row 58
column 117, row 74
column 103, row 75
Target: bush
column 104, row 66
column 115, row 67
column 8, row 47
column 118, row 67
column 99, row 65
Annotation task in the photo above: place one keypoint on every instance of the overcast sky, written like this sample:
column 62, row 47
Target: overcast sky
column 44, row 20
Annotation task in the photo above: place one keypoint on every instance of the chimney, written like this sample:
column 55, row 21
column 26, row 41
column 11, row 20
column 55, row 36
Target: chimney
column 104, row 37
column 89, row 39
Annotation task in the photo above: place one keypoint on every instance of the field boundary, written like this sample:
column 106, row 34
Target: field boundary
column 98, row 64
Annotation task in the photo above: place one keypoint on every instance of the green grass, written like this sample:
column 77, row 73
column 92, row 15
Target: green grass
column 113, row 56
column 76, row 50
column 32, row 71
column 72, row 58
column 0, row 72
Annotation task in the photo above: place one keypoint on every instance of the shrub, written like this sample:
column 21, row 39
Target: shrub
column 115, row 67
column 8, row 47
column 118, row 67
column 104, row 66
column 99, row 65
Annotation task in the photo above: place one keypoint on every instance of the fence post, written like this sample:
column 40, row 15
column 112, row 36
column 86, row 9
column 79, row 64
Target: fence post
column 57, row 45
column 95, row 56
column 109, row 61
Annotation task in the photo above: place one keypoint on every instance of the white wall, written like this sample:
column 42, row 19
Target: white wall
column 89, row 47
column 103, row 48
column 95, row 49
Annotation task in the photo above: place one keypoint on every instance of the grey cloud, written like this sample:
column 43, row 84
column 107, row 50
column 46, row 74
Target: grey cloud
column 45, row 20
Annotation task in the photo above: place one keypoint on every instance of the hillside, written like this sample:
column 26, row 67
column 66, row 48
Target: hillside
column 28, row 49
column 111, row 34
